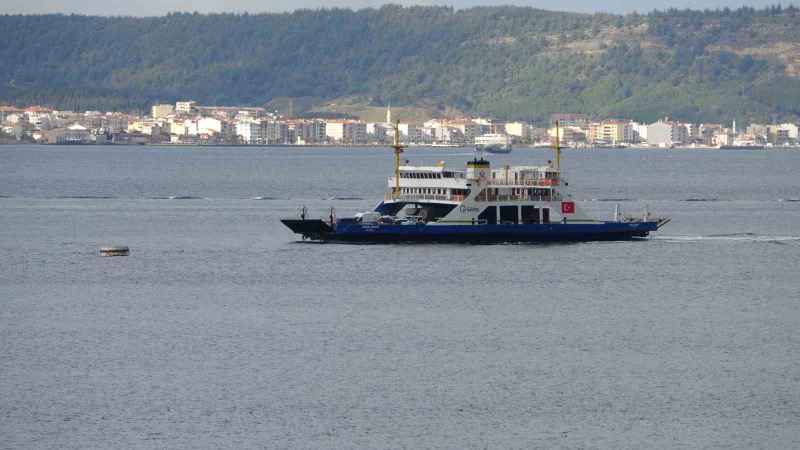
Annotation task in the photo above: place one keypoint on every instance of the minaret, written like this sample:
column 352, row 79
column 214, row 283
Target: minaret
column 734, row 125
column 389, row 113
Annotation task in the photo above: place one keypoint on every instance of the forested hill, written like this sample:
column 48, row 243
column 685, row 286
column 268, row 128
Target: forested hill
column 507, row 62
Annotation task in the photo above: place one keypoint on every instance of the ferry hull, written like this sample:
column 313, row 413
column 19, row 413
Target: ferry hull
column 494, row 148
column 553, row 232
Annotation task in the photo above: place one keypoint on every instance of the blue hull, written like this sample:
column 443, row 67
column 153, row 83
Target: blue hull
column 495, row 148
column 552, row 232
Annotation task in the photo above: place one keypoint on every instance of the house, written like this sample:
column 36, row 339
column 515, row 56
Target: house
column 40, row 117
column 6, row 111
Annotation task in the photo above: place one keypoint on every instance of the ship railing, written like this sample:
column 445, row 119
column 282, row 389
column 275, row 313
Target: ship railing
column 539, row 182
column 517, row 198
column 440, row 197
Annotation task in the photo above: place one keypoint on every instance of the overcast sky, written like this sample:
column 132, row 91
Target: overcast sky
column 161, row 7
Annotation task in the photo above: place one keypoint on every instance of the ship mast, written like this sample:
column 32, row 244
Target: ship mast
column 398, row 150
column 558, row 149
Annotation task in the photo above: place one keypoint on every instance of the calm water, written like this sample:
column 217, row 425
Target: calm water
column 220, row 330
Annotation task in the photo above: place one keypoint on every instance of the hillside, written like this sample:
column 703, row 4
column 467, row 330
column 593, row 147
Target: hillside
column 507, row 62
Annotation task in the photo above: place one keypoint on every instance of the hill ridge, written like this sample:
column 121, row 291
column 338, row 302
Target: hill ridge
column 505, row 61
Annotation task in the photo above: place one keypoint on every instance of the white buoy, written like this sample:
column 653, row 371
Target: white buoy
column 117, row 250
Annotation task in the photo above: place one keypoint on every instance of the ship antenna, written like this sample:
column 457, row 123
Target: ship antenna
column 558, row 150
column 398, row 150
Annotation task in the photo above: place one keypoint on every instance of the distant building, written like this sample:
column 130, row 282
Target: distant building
column 75, row 134
column 781, row 135
column 448, row 135
column 346, row 131
column 519, row 130
column 209, row 125
column 249, row 132
column 177, row 128
column 40, row 117
column 15, row 119
column 708, row 134
column 334, row 130
column 309, row 131
column 355, row 132
column 757, row 129
column 567, row 134
column 151, row 128
column 639, row 132
column 161, row 111
column 571, row 120
column 413, row 133
column 666, row 134
column 6, row 111
column 610, row 131
column 275, row 132
column 188, row 107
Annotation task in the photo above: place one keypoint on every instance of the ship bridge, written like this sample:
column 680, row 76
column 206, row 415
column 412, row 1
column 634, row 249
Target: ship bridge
column 432, row 183
column 509, row 183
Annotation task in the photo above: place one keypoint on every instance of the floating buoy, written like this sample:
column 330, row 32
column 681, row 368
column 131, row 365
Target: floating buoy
column 118, row 250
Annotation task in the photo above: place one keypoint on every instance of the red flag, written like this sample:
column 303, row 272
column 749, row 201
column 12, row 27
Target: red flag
column 567, row 207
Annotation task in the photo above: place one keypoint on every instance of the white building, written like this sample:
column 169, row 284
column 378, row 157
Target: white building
column 249, row 132
column 520, row 130
column 191, row 127
column 187, row 107
column 334, row 131
column 639, row 131
column 209, row 125
column 792, row 130
column 667, row 134
column 177, row 128
column 40, row 117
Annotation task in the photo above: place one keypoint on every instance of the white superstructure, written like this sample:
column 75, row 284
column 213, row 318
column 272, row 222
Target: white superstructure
column 511, row 194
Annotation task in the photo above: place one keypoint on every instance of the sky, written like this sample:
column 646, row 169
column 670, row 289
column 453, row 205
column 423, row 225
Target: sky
column 161, row 7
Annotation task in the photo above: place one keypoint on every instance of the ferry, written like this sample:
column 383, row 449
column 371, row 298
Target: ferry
column 481, row 204
column 493, row 143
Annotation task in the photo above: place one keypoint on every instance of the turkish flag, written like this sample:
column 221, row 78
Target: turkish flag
column 567, row 207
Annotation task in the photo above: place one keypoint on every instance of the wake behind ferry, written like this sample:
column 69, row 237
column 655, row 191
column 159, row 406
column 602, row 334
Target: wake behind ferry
column 478, row 205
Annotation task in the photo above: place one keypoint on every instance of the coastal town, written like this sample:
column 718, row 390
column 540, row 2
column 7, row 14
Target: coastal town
column 186, row 123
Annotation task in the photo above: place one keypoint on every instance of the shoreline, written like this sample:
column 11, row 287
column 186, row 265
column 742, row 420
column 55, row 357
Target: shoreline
column 451, row 147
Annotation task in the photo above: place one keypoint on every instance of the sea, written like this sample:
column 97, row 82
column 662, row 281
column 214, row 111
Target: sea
column 223, row 330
